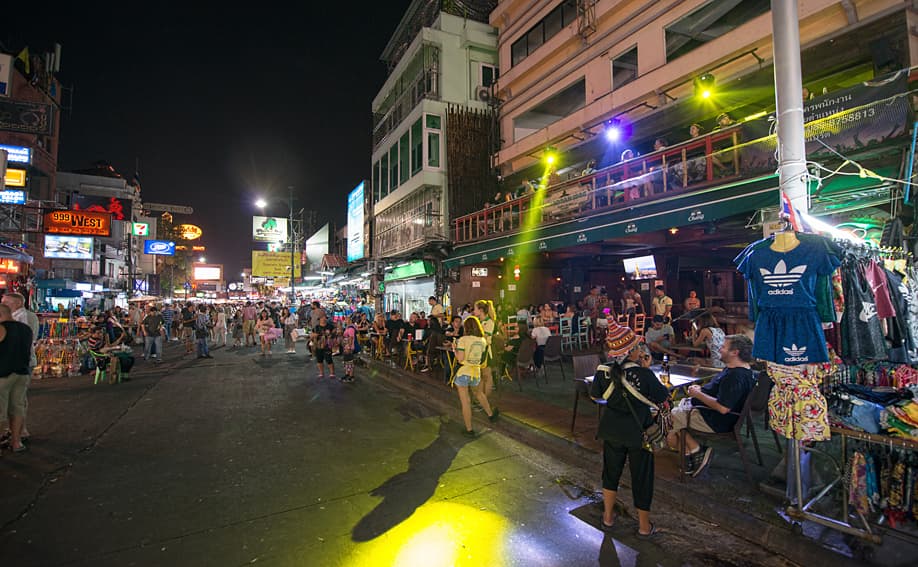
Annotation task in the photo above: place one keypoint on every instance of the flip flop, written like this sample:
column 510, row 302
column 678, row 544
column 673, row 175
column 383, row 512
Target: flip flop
column 606, row 527
column 653, row 532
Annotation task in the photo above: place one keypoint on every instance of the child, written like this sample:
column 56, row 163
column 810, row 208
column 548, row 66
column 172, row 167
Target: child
column 348, row 342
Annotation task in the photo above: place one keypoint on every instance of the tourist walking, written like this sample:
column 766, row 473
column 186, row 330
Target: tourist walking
column 484, row 311
column 290, row 323
column 263, row 329
column 202, row 327
column 15, row 356
column 153, row 329
column 471, row 352
column 220, row 328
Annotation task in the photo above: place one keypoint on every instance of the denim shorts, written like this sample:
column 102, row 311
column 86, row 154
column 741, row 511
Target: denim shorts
column 466, row 380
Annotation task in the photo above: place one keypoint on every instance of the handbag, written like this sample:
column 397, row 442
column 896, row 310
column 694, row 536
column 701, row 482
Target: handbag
column 654, row 435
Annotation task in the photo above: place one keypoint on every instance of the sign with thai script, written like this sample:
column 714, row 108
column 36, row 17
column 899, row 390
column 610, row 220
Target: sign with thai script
column 17, row 154
column 26, row 117
column 78, row 222
column 12, row 197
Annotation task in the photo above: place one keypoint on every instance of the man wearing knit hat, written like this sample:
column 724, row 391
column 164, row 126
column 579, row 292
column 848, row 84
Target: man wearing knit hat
column 622, row 424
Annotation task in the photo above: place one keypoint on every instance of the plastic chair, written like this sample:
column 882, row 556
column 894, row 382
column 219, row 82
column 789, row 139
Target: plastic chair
column 584, row 365
column 757, row 398
column 553, row 354
column 524, row 362
column 565, row 331
column 103, row 360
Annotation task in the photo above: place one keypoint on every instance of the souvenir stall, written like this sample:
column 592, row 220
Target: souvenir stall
column 57, row 350
column 837, row 325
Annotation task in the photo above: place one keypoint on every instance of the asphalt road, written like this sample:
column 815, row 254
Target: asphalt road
column 241, row 460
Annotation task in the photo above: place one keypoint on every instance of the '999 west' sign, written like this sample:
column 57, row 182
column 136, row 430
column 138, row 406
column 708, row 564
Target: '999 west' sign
column 78, row 222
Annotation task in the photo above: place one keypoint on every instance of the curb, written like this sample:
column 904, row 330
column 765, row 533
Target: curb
column 774, row 538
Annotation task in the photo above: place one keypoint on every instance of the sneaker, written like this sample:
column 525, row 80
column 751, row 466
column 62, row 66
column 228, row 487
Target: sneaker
column 332, row 375
column 470, row 433
column 494, row 415
column 321, row 375
column 425, row 369
column 701, row 460
column 688, row 464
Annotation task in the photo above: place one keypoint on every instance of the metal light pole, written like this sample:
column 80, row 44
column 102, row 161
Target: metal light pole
column 292, row 241
column 789, row 103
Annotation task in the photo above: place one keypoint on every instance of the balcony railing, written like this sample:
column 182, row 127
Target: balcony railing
column 692, row 165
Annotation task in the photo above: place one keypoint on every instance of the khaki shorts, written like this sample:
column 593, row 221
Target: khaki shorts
column 680, row 415
column 13, row 390
column 248, row 328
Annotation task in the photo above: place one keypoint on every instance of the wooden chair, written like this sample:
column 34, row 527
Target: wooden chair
column 524, row 362
column 583, row 333
column 584, row 365
column 553, row 354
column 639, row 320
column 624, row 320
column 756, row 403
column 512, row 330
column 565, row 331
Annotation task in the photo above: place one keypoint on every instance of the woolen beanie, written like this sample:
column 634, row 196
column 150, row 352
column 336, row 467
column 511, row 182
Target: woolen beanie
column 620, row 340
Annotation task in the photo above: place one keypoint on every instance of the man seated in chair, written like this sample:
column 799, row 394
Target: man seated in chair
column 659, row 338
column 714, row 407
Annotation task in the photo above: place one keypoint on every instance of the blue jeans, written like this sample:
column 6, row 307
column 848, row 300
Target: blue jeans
column 168, row 327
column 203, row 349
column 149, row 343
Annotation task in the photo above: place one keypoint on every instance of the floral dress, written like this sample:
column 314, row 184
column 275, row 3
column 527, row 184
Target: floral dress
column 797, row 409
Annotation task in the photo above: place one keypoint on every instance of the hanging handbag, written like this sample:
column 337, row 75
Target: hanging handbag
column 654, row 435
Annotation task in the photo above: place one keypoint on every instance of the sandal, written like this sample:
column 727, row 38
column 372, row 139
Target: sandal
column 606, row 527
column 653, row 531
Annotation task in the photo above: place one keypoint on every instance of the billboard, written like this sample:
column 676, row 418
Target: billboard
column 355, row 224
column 188, row 231
column 78, row 222
column 269, row 229
column 14, row 178
column 159, row 247
column 12, row 197
column 70, row 247
column 208, row 272
column 317, row 246
column 17, row 154
column 119, row 208
column 273, row 264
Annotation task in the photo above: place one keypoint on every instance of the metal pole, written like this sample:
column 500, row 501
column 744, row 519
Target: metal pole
column 292, row 241
column 789, row 103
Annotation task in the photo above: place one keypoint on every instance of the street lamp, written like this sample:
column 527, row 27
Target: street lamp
column 202, row 259
column 261, row 204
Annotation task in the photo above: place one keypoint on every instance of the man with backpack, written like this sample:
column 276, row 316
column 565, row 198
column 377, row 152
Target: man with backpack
column 202, row 331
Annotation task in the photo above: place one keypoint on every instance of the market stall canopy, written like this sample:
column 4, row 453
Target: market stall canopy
column 332, row 261
column 12, row 253
column 146, row 298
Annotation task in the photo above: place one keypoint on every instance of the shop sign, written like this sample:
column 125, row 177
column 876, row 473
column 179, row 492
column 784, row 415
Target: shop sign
column 12, row 197
column 273, row 264
column 78, row 222
column 159, row 247
column 479, row 272
column 208, row 272
column 69, row 247
column 26, row 117
column 476, row 284
column 355, row 220
column 15, row 178
column 188, row 231
column 117, row 207
column 269, row 229
column 9, row 266
column 140, row 229
column 511, row 287
column 17, row 154
column 411, row 269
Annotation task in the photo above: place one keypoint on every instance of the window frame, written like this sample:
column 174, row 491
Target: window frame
column 633, row 48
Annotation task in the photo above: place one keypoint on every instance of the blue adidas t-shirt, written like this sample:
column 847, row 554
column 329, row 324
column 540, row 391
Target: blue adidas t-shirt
column 787, row 279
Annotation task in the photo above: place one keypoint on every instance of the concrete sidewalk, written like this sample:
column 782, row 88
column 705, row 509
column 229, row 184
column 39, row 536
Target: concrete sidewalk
column 540, row 416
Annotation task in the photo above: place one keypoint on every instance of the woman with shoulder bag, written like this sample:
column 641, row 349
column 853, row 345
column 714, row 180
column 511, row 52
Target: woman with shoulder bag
column 624, row 421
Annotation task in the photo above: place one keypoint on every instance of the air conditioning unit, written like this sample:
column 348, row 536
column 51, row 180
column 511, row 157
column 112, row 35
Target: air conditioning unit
column 483, row 93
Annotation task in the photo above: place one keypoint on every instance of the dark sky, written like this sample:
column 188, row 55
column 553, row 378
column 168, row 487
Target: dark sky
column 221, row 105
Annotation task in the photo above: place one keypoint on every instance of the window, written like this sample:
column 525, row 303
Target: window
column 376, row 188
column 433, row 121
column 393, row 167
column 417, row 147
column 487, row 74
column 545, row 29
column 383, row 176
column 625, row 68
column 404, row 153
column 432, row 133
column 708, row 23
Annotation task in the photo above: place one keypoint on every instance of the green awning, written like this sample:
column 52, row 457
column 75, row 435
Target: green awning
column 697, row 207
column 412, row 269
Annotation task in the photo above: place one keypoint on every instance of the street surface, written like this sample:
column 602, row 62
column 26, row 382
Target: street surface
column 241, row 460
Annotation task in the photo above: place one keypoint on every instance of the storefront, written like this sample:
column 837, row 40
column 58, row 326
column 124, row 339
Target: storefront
column 408, row 286
column 14, row 269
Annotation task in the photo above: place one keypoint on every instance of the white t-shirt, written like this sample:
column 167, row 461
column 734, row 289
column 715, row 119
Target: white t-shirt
column 541, row 334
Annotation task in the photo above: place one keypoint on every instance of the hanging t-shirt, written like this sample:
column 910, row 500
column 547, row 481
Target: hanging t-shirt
column 862, row 336
column 788, row 329
column 877, row 279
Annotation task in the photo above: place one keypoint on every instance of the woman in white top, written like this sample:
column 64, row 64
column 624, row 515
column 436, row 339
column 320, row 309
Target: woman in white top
column 540, row 333
column 471, row 351
column 290, row 323
column 484, row 311
column 712, row 336
column 220, row 327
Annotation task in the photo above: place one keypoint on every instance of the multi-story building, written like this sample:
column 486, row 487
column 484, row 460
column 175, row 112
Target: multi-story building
column 608, row 91
column 442, row 62
column 30, row 103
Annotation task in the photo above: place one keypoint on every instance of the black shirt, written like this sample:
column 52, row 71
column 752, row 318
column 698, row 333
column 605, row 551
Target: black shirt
column 15, row 349
column 394, row 326
column 730, row 388
column 618, row 425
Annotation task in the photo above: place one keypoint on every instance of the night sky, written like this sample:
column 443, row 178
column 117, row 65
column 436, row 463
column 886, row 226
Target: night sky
column 220, row 105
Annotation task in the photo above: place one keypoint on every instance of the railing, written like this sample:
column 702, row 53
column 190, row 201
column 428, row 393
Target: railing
column 692, row 165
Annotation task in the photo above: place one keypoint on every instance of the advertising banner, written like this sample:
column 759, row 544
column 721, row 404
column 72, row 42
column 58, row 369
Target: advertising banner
column 273, row 264
column 269, row 229
column 12, row 197
column 119, row 208
column 26, row 117
column 159, row 247
column 78, row 222
column 17, row 154
column 208, row 272
column 355, row 202
column 70, row 247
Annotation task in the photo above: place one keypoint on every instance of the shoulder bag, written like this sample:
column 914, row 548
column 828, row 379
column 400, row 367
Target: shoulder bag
column 654, row 436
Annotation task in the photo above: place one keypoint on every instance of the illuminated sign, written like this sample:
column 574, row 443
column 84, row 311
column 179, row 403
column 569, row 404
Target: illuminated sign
column 15, row 178
column 12, row 197
column 17, row 154
column 141, row 229
column 78, row 222
column 269, row 229
column 71, row 247
column 479, row 272
column 159, row 247
column 188, row 232
column 9, row 266
column 208, row 272
column 355, row 224
column 117, row 207
column 268, row 264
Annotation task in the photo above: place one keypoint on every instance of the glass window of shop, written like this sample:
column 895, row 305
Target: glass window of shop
column 708, row 23
column 417, row 147
column 404, row 157
column 393, row 167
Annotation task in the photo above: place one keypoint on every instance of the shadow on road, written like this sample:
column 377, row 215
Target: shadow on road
column 407, row 491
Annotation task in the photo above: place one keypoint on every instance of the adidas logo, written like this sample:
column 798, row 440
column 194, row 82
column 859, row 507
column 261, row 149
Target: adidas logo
column 795, row 354
column 781, row 278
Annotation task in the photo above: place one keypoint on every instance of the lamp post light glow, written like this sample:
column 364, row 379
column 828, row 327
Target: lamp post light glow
column 291, row 240
column 202, row 259
column 261, row 203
